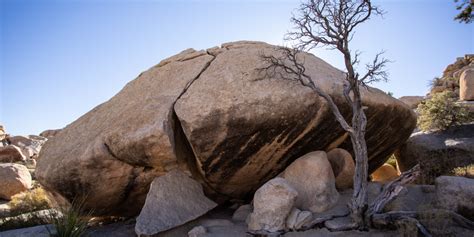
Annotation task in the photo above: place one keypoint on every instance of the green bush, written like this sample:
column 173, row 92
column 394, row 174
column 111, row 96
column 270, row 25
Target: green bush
column 441, row 112
column 73, row 222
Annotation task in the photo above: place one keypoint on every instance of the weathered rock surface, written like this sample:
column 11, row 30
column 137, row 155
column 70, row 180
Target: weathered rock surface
column 456, row 194
column 438, row 152
column 272, row 205
column 466, row 85
column 312, row 177
column 413, row 198
column 14, row 178
column 412, row 101
column 113, row 152
column 10, row 154
column 205, row 112
column 173, row 200
column 385, row 173
column 50, row 133
column 343, row 168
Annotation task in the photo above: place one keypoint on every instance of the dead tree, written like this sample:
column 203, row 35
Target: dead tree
column 331, row 23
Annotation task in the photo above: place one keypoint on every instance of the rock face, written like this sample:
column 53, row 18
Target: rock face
column 272, row 205
column 412, row 101
column 10, row 154
column 456, row 194
column 312, row 177
column 173, row 200
column 466, row 85
column 14, row 178
column 343, row 168
column 385, row 173
column 438, row 152
column 206, row 112
column 50, row 133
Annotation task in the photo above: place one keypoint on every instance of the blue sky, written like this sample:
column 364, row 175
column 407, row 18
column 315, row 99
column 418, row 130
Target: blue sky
column 59, row 59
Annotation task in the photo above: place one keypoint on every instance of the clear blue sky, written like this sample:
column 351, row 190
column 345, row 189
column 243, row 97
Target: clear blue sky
column 59, row 59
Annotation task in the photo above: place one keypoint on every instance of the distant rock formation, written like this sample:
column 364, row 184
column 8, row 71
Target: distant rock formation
column 211, row 115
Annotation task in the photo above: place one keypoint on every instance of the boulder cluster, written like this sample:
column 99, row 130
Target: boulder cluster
column 18, row 154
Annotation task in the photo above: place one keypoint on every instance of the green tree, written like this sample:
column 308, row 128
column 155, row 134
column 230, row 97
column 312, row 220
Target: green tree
column 466, row 15
column 441, row 112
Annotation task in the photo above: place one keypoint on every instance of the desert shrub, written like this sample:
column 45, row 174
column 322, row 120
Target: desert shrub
column 441, row 112
column 29, row 201
column 392, row 161
column 465, row 171
column 73, row 222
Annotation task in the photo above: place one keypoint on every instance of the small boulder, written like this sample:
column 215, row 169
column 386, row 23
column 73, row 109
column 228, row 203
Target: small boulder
column 14, row 178
column 466, row 85
column 312, row 176
column 385, row 173
column 197, row 231
column 272, row 205
column 242, row 213
column 455, row 194
column 173, row 200
column 343, row 168
column 11, row 154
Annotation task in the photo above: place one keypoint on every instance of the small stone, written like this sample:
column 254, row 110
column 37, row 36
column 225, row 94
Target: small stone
column 303, row 218
column 197, row 231
column 242, row 213
column 291, row 219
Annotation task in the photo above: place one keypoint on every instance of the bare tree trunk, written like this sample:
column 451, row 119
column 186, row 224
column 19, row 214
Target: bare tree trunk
column 359, row 202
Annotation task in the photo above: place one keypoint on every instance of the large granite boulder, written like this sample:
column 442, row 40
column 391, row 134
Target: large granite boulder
column 208, row 113
column 438, row 153
column 466, row 85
